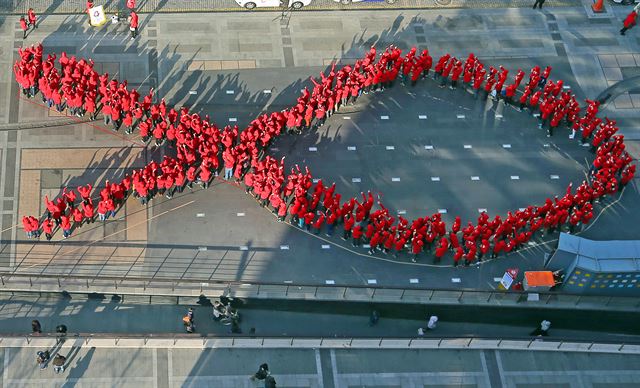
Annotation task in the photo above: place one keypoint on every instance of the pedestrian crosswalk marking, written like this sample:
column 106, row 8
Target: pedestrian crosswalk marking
column 442, row 211
column 329, row 282
column 356, row 180
column 435, row 179
column 230, row 91
column 515, row 177
column 460, row 116
column 326, row 246
column 428, row 147
column 455, row 280
column 475, row 178
column 284, row 247
column 232, row 119
column 395, row 179
column 372, row 281
column 313, row 149
column 391, row 148
column 414, row 281
column 422, row 117
column 506, row 146
column 554, row 177
column 351, row 148
column 384, row 117
column 240, row 214
column 467, row 146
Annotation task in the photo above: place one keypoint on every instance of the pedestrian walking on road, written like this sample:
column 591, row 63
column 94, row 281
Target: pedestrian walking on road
column 58, row 363
column 133, row 24
column 31, row 15
column 374, row 318
column 24, row 26
column 35, row 327
column 629, row 22
column 42, row 358
column 261, row 374
column 538, row 3
column 61, row 332
column 433, row 321
column 543, row 330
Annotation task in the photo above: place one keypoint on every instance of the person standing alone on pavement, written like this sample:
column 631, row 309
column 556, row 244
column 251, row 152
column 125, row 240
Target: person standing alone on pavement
column 538, row 3
column 629, row 22
column 133, row 24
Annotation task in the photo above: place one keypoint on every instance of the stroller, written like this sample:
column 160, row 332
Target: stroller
column 42, row 358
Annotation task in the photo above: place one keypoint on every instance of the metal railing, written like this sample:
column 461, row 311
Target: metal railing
column 302, row 342
column 186, row 290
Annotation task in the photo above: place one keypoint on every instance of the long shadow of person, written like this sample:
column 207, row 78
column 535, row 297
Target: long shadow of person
column 82, row 364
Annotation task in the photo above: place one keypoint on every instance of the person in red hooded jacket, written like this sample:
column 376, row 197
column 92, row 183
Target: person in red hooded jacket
column 133, row 24
column 629, row 22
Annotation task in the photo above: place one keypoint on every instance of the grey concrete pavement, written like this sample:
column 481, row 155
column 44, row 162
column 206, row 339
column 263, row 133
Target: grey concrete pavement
column 339, row 368
column 222, row 65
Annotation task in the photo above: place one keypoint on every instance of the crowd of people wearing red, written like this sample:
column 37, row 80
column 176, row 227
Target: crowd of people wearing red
column 203, row 149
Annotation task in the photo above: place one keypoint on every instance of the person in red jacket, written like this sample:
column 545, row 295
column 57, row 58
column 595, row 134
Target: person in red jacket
column 66, row 226
column 24, row 26
column 348, row 225
column 31, row 15
column 47, row 228
column 133, row 24
column 629, row 22
column 416, row 247
column 374, row 242
column 457, row 256
column 357, row 235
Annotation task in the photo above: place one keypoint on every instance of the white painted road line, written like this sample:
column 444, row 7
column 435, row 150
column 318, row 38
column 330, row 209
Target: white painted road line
column 455, row 280
column 346, row 117
column 428, row 147
column 460, row 116
column 232, row 119
column 475, row 178
column 329, row 282
column 351, row 148
column 536, row 115
column 313, row 149
column 422, row 117
column 202, row 249
column 316, row 180
column 498, row 116
column 200, row 215
column 391, row 148
column 366, row 246
column 266, row 91
column 240, row 214
column 284, row 247
column 497, row 280
column 356, row 180
column 372, row 281
column 515, row 177
column 193, row 92
column 435, row 179
column 395, row 179
column 402, row 212
column 506, row 146
column 467, row 146
column 442, row 211
column 326, row 246
column 546, row 145
column 414, row 281
column 554, row 176
column 288, row 281
column 482, row 210
column 244, row 248
column 230, row 91
column 384, row 117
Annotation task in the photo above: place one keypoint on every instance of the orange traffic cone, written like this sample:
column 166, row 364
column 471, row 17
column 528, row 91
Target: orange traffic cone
column 597, row 6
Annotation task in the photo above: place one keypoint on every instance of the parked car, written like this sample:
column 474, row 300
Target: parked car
column 251, row 4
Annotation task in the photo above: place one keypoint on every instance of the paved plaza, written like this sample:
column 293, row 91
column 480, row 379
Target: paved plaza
column 339, row 368
column 423, row 149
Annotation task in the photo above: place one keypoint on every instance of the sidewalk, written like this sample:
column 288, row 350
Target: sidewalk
column 179, row 6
